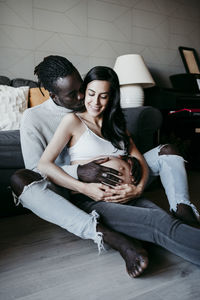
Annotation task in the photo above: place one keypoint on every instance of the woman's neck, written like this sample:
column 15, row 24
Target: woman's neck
column 94, row 120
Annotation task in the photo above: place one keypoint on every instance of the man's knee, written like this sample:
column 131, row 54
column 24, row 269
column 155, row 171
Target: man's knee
column 21, row 178
column 169, row 149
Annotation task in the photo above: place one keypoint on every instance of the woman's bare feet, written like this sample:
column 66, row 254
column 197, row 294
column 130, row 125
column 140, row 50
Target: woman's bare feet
column 135, row 256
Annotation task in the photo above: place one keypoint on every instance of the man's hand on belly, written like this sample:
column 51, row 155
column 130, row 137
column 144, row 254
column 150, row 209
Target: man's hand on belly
column 136, row 168
column 95, row 172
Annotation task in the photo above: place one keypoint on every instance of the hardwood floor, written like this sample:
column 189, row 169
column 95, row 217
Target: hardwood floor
column 39, row 261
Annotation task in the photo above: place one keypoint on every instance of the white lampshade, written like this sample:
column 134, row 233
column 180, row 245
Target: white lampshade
column 133, row 76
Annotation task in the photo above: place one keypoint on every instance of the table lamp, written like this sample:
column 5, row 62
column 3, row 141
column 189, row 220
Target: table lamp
column 133, row 77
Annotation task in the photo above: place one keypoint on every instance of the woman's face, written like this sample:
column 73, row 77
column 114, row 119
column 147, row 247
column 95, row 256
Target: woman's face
column 97, row 97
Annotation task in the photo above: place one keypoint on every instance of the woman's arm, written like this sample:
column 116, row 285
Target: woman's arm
column 64, row 133
column 47, row 164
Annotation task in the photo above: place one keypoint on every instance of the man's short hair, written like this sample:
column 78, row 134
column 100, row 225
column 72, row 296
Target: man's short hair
column 51, row 69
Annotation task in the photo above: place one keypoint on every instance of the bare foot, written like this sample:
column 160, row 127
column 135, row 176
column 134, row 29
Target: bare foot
column 135, row 256
column 136, row 259
column 185, row 213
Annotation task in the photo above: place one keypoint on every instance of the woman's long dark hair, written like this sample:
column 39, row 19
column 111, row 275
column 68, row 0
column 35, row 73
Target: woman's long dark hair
column 114, row 124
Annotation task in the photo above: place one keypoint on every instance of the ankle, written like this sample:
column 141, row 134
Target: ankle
column 185, row 213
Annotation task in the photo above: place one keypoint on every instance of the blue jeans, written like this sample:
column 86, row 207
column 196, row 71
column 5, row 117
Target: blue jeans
column 51, row 203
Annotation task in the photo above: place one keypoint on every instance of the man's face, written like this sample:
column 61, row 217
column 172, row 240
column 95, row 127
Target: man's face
column 68, row 91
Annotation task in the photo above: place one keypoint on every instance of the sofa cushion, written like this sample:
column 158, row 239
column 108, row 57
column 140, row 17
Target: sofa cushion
column 4, row 80
column 143, row 123
column 13, row 102
column 17, row 82
column 10, row 150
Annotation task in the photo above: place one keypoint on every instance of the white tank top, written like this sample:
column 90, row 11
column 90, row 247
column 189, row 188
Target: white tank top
column 90, row 145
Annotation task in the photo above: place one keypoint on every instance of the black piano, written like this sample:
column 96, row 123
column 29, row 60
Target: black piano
column 180, row 107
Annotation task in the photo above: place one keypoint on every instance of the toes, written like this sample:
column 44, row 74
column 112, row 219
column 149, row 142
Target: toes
column 135, row 271
column 137, row 267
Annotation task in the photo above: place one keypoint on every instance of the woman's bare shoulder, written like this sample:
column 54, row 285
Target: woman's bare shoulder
column 72, row 119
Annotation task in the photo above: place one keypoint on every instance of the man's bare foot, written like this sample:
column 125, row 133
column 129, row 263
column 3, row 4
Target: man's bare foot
column 135, row 256
column 185, row 213
column 136, row 259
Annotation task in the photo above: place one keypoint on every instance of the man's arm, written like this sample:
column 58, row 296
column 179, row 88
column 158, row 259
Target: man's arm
column 32, row 147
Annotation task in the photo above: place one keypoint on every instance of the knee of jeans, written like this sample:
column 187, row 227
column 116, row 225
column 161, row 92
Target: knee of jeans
column 169, row 149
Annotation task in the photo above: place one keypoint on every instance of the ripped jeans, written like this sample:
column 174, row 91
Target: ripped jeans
column 51, row 203
column 171, row 169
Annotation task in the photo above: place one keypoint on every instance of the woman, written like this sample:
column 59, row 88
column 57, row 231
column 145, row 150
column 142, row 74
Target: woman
column 102, row 120
column 100, row 131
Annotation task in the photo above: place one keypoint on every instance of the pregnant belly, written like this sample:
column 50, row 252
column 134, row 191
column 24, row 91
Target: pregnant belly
column 115, row 163
column 122, row 166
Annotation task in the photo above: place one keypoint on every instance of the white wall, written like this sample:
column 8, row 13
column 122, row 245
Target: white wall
column 95, row 32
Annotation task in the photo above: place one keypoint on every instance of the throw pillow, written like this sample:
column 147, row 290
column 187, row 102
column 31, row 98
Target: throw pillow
column 13, row 102
column 36, row 97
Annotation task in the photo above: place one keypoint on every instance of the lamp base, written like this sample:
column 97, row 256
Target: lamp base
column 131, row 96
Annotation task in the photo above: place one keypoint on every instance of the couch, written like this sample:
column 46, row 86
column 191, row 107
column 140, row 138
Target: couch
column 142, row 122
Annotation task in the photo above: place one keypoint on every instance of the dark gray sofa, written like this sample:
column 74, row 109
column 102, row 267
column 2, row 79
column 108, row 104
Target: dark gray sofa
column 143, row 123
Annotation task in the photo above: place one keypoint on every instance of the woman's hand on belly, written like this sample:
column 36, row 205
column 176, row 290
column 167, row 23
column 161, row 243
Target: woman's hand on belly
column 121, row 193
column 97, row 191
column 124, row 192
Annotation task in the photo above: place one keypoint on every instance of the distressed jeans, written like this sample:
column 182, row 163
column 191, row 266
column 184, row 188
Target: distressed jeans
column 171, row 169
column 52, row 203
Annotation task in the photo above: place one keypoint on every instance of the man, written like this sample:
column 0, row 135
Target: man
column 48, row 201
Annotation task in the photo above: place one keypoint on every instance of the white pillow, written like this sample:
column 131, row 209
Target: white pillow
column 13, row 102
